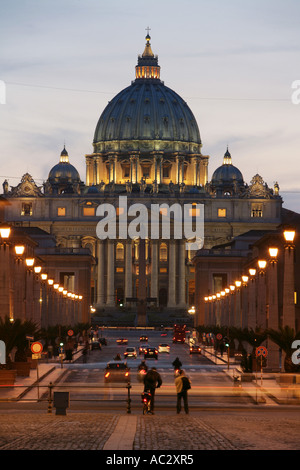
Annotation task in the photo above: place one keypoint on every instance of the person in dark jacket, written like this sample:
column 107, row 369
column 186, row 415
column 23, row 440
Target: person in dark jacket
column 177, row 363
column 152, row 380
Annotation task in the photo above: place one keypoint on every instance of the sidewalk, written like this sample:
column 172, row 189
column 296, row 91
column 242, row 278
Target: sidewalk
column 262, row 387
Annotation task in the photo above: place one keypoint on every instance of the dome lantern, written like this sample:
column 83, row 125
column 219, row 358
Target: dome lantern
column 147, row 66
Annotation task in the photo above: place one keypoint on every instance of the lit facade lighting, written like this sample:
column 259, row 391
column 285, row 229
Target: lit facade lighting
column 273, row 252
column 262, row 263
column 5, row 231
column 289, row 235
column 252, row 271
column 50, row 282
column 29, row 262
column 19, row 250
column 37, row 269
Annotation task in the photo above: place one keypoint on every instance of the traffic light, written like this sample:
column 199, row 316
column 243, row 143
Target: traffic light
column 226, row 341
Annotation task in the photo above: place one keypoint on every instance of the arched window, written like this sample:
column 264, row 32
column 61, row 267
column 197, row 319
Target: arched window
column 120, row 252
column 163, row 252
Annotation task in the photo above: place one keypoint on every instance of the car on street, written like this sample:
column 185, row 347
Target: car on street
column 163, row 347
column 195, row 349
column 142, row 349
column 117, row 371
column 130, row 352
column 122, row 341
column 143, row 338
column 150, row 353
column 95, row 344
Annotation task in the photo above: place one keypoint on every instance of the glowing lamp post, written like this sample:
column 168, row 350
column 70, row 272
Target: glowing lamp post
column 288, row 308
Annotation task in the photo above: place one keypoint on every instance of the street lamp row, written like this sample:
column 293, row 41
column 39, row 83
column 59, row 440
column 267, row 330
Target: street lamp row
column 289, row 236
column 5, row 231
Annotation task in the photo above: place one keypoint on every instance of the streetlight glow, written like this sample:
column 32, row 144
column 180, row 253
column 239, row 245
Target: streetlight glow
column 262, row 263
column 19, row 250
column 289, row 235
column 273, row 252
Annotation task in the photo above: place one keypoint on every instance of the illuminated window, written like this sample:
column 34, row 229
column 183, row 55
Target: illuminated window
column 163, row 270
column 61, row 211
column 119, row 270
column 126, row 170
column 163, row 252
column 146, row 168
column 167, row 171
column 163, row 211
column 256, row 210
column 120, row 210
column 26, row 208
column 120, row 252
column 88, row 211
column 194, row 212
column 221, row 212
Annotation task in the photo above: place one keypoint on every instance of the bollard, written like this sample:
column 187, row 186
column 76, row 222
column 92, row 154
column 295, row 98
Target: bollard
column 128, row 398
column 61, row 402
column 50, row 386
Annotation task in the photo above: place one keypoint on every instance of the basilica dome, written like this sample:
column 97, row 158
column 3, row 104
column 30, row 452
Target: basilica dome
column 63, row 171
column 147, row 115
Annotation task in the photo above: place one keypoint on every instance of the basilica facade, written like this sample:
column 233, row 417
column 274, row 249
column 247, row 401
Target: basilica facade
column 147, row 147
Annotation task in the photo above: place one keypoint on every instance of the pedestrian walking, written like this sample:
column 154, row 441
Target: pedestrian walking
column 152, row 380
column 182, row 384
column 177, row 363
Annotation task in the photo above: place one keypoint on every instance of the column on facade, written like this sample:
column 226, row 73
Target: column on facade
column 111, row 163
column 100, row 274
column 88, row 170
column 172, row 274
column 288, row 306
column 261, row 301
column 182, row 276
column 154, row 270
column 110, row 296
column 128, row 269
column 134, row 160
column 273, row 357
column 238, row 311
column 252, row 290
column 203, row 171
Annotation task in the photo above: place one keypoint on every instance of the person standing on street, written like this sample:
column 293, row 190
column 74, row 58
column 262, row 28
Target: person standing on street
column 152, row 380
column 182, row 384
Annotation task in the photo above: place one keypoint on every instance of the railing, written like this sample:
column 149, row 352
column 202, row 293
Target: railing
column 48, row 394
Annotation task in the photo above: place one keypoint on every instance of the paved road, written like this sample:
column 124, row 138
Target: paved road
column 210, row 384
column 240, row 425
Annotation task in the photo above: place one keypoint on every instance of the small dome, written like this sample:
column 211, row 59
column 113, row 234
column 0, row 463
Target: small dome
column 63, row 172
column 92, row 190
column 227, row 174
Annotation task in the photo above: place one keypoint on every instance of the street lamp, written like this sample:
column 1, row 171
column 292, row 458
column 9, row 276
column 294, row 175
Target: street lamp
column 19, row 250
column 262, row 265
column 29, row 262
column 289, row 235
column 5, row 231
column 252, row 272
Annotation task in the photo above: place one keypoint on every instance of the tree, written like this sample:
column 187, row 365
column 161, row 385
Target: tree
column 14, row 333
column 284, row 338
